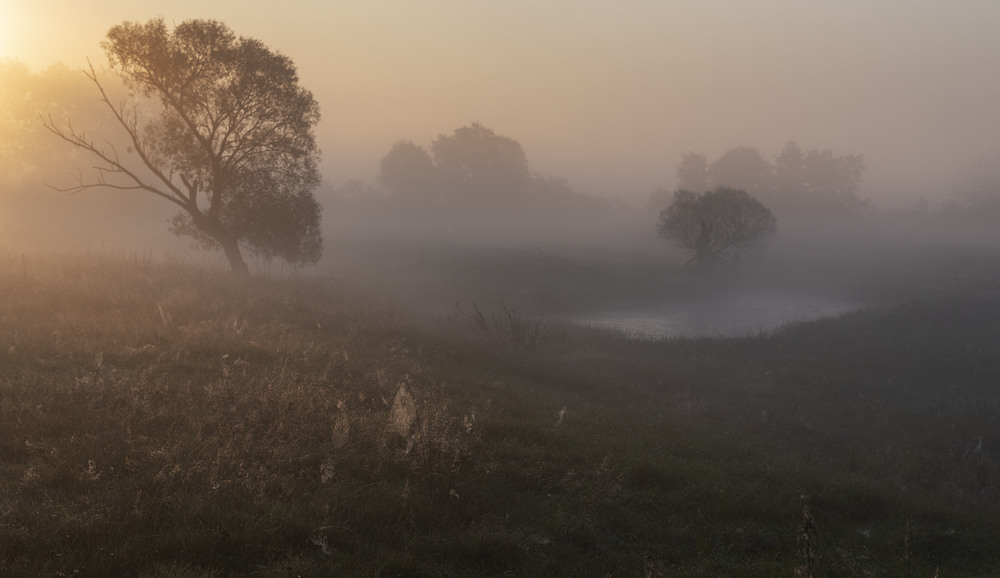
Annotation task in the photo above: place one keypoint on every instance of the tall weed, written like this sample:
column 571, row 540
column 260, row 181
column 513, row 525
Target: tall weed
column 507, row 326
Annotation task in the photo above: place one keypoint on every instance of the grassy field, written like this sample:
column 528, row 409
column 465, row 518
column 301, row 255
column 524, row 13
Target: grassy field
column 159, row 419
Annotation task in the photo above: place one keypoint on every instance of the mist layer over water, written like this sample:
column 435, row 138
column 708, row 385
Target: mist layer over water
column 727, row 315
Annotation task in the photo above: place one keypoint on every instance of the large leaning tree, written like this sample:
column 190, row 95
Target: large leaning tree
column 217, row 125
column 717, row 226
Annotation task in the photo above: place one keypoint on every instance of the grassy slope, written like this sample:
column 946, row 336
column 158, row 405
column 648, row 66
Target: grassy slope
column 159, row 420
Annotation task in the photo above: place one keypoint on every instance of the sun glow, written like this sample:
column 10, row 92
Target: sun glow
column 6, row 27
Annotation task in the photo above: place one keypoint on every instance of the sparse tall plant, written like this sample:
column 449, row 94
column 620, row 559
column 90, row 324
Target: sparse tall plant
column 806, row 542
column 907, row 554
column 437, row 442
column 508, row 326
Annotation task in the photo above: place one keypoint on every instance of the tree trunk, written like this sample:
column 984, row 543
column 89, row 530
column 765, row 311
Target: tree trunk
column 706, row 260
column 230, row 245
column 235, row 257
column 704, row 255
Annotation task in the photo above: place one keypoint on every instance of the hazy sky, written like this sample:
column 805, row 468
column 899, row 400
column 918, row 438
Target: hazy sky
column 608, row 93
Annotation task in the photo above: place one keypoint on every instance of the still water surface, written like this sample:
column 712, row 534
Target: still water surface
column 729, row 315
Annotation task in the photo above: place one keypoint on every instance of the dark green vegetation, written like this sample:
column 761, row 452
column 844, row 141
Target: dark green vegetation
column 161, row 420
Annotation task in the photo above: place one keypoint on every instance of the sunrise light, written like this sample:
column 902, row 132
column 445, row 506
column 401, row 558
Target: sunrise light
column 4, row 34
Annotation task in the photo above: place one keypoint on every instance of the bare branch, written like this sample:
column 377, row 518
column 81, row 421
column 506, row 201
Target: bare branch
column 111, row 157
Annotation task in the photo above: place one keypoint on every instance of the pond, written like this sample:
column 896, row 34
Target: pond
column 727, row 315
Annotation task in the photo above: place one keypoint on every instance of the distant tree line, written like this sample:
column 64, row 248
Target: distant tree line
column 797, row 180
column 469, row 168
column 217, row 125
column 977, row 189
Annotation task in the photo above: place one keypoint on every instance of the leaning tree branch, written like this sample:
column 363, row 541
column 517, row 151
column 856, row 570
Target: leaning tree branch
column 113, row 165
column 131, row 125
column 111, row 158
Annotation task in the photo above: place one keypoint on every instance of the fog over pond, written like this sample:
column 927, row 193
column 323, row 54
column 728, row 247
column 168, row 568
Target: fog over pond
column 726, row 315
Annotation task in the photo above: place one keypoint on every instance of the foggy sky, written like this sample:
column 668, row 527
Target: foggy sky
column 608, row 94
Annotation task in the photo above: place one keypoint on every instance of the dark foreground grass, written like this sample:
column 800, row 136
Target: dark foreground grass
column 162, row 420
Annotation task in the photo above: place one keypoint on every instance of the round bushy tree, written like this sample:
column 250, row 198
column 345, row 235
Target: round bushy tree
column 717, row 226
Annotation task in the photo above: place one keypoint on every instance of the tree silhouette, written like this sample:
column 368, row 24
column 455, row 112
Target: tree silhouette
column 814, row 181
column 742, row 168
column 218, row 126
column 977, row 184
column 818, row 180
column 718, row 226
column 692, row 172
column 408, row 172
column 790, row 178
column 475, row 162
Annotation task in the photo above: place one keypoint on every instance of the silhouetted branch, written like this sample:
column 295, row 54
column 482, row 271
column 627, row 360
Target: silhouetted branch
column 111, row 157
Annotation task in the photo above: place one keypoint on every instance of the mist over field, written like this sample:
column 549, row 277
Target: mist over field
column 609, row 96
column 605, row 99
column 646, row 288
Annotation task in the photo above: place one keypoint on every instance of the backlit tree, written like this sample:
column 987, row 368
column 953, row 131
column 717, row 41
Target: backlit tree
column 220, row 127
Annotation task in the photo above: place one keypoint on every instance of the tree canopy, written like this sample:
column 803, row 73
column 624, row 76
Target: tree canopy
column 475, row 161
column 408, row 172
column 692, row 172
column 818, row 180
column 717, row 226
column 742, row 168
column 473, row 165
column 220, row 127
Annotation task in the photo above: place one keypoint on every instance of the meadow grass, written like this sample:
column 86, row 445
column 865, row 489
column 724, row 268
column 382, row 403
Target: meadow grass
column 160, row 419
